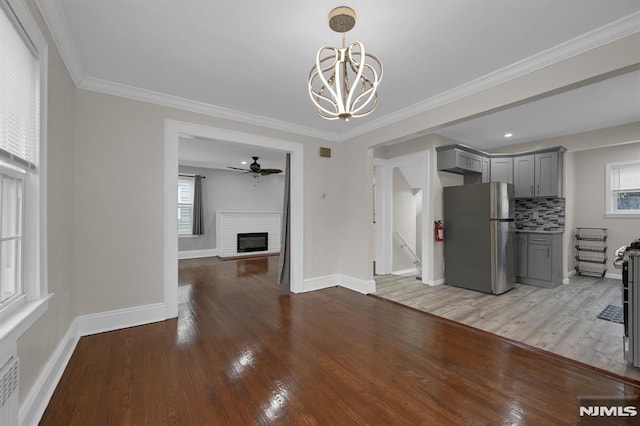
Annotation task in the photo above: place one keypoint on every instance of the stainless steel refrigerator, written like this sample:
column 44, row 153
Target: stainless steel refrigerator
column 479, row 237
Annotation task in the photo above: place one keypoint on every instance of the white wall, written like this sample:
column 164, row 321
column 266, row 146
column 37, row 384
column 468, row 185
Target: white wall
column 584, row 161
column 106, row 244
column 38, row 343
column 404, row 222
column 226, row 190
column 433, row 270
column 590, row 196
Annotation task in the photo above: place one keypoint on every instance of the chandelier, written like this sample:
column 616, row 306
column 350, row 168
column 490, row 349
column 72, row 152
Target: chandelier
column 341, row 84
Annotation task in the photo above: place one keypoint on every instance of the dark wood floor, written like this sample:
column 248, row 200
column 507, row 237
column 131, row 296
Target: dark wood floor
column 243, row 351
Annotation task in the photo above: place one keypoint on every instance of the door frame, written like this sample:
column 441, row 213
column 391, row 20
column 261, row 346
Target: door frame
column 384, row 238
column 173, row 130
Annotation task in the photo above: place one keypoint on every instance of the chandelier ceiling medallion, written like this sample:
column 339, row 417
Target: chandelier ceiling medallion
column 341, row 84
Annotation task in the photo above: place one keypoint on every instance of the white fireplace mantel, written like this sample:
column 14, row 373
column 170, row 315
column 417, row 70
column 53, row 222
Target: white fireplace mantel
column 231, row 223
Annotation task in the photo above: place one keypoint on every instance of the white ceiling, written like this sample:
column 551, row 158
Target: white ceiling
column 608, row 103
column 249, row 59
column 214, row 154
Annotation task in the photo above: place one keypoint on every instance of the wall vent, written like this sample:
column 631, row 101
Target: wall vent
column 9, row 392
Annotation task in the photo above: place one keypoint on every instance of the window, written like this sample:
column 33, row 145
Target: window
column 623, row 188
column 11, row 195
column 185, row 205
column 22, row 233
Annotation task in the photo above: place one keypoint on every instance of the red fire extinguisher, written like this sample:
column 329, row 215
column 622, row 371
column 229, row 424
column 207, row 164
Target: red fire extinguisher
column 438, row 231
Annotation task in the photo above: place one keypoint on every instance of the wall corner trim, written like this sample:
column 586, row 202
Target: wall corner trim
column 36, row 401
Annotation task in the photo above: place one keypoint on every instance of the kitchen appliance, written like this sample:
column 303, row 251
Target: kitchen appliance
column 628, row 259
column 479, row 247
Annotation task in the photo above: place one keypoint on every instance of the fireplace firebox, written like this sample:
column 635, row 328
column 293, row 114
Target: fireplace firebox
column 253, row 241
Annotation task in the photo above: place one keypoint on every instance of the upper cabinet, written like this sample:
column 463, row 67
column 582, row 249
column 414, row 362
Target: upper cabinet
column 534, row 174
column 486, row 169
column 538, row 175
column 456, row 160
column 502, row 169
column 548, row 174
column 524, row 176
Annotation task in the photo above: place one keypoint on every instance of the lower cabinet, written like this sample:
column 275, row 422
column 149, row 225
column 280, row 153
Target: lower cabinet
column 539, row 259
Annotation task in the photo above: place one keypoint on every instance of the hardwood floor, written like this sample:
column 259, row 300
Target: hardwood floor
column 243, row 351
column 563, row 320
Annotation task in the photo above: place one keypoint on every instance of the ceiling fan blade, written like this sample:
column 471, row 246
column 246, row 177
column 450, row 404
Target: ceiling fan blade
column 237, row 168
column 270, row 171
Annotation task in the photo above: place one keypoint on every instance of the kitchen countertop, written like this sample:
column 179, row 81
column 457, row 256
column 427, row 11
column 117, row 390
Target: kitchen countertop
column 533, row 231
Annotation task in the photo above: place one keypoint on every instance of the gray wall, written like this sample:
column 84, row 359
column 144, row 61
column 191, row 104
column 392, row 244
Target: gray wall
column 225, row 190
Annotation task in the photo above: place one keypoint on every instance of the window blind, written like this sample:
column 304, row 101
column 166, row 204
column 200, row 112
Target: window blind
column 19, row 95
column 185, row 190
column 185, row 204
column 625, row 177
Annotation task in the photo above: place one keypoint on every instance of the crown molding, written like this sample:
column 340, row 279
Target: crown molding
column 158, row 98
column 53, row 15
column 609, row 33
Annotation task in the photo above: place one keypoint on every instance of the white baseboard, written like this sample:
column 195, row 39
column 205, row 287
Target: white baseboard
column 34, row 404
column 318, row 283
column 356, row 284
column 613, row 276
column 121, row 318
column 32, row 408
column 607, row 275
column 406, row 272
column 196, row 254
column 346, row 281
column 435, row 282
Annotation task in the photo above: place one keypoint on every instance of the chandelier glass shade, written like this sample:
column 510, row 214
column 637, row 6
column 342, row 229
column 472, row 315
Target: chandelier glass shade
column 343, row 82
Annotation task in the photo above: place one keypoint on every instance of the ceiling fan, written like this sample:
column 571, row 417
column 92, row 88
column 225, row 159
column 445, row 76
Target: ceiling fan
column 255, row 168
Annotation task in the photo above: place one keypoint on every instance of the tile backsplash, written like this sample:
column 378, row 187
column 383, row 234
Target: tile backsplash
column 540, row 214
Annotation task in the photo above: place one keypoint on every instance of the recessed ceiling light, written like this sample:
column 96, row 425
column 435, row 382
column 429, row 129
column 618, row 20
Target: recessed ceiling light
column 243, row 162
column 508, row 135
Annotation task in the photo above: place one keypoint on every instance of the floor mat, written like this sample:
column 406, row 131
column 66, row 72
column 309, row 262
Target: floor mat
column 612, row 313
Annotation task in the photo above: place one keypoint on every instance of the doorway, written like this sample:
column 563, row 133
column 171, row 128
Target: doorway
column 174, row 130
column 402, row 213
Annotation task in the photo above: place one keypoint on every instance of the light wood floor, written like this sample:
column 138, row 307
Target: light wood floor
column 562, row 320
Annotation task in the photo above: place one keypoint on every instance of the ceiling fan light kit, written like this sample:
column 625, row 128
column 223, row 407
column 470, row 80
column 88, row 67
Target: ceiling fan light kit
column 342, row 85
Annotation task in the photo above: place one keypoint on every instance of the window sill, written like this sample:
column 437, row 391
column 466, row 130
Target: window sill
column 188, row 236
column 17, row 322
column 621, row 215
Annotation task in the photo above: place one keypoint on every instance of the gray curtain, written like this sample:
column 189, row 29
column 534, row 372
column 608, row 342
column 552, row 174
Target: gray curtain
column 285, row 243
column 198, row 222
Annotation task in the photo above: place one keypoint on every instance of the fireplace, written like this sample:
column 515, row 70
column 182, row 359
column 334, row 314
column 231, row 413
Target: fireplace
column 231, row 223
column 253, row 241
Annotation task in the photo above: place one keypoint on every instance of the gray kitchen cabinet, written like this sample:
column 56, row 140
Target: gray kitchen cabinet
column 521, row 255
column 486, row 170
column 502, row 169
column 546, row 165
column 539, row 259
column 538, row 175
column 533, row 173
column 524, row 176
column 456, row 160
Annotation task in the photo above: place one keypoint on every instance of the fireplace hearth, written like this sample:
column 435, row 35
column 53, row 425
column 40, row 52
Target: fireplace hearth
column 253, row 241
